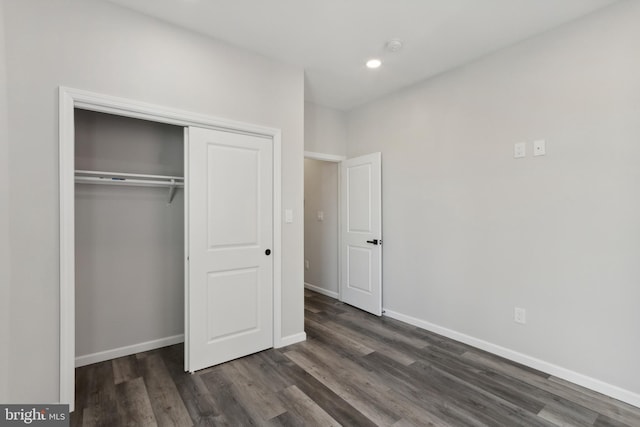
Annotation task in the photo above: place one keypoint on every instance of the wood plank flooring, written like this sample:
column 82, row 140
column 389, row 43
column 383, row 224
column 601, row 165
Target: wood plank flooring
column 354, row 370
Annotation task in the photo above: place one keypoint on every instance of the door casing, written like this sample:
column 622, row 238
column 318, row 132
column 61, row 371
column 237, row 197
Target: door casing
column 69, row 100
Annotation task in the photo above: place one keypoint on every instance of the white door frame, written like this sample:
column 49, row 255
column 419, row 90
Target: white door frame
column 69, row 100
column 333, row 158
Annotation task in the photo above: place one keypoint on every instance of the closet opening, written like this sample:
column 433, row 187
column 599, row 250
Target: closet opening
column 150, row 181
column 129, row 236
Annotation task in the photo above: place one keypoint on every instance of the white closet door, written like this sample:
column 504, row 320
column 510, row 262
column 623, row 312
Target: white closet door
column 230, row 291
column 361, row 237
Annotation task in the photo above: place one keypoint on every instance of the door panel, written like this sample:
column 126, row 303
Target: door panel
column 234, row 210
column 225, row 292
column 361, row 197
column 230, row 186
column 359, row 268
column 359, row 190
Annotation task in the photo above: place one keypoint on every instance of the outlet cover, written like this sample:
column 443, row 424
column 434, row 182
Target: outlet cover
column 520, row 315
column 519, row 150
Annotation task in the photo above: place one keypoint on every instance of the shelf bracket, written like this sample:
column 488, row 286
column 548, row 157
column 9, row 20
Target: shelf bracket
column 172, row 190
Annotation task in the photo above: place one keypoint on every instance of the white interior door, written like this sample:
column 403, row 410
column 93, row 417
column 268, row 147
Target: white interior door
column 361, row 234
column 230, row 236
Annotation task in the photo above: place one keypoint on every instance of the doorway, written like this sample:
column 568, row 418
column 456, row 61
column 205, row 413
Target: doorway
column 356, row 183
column 321, row 226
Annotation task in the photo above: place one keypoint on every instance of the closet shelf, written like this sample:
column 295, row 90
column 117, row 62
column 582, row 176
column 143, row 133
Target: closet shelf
column 130, row 179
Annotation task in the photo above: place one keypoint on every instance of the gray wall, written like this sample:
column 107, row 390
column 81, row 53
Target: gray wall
column 325, row 130
column 470, row 232
column 5, row 263
column 129, row 241
column 321, row 237
column 97, row 46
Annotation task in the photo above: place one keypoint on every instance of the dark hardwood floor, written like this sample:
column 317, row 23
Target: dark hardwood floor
column 354, row 370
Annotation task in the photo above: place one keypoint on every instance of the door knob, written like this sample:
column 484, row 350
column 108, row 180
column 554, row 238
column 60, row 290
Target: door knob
column 373, row 242
column 267, row 252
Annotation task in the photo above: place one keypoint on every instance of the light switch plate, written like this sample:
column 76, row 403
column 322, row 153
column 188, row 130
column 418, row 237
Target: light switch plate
column 519, row 150
column 320, row 216
column 288, row 216
column 539, row 147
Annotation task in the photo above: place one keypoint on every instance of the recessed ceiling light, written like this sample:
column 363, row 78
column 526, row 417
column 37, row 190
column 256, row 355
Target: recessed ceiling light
column 374, row 63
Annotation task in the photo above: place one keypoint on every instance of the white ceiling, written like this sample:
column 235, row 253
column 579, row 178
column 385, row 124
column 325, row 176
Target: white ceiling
column 332, row 39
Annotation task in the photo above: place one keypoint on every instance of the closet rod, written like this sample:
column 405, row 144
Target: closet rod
column 130, row 179
column 126, row 175
column 127, row 181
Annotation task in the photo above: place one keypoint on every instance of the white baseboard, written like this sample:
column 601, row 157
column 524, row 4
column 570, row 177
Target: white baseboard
column 127, row 350
column 549, row 368
column 320, row 290
column 292, row 339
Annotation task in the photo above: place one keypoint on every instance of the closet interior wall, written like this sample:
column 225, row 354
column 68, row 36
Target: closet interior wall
column 129, row 240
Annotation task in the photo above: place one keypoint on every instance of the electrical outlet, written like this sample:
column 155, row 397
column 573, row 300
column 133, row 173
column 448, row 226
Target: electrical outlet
column 520, row 315
column 306, row 264
column 519, row 150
